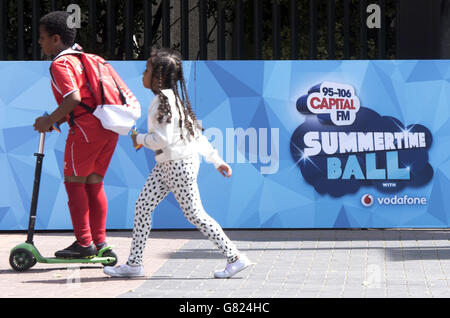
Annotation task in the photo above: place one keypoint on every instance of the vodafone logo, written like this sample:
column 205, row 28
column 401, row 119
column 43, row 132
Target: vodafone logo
column 367, row 200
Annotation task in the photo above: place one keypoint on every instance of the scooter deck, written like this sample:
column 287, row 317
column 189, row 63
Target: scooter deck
column 58, row 260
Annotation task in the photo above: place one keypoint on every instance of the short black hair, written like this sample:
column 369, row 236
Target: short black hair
column 56, row 23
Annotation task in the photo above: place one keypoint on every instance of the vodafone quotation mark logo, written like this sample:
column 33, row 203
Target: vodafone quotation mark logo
column 367, row 200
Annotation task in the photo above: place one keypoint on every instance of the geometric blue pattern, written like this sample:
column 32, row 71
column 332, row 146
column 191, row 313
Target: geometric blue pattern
column 257, row 96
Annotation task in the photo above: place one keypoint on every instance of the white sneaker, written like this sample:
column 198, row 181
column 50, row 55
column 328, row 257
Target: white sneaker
column 124, row 271
column 233, row 268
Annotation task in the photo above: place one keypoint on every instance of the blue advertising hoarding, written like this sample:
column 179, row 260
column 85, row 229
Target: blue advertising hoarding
column 312, row 144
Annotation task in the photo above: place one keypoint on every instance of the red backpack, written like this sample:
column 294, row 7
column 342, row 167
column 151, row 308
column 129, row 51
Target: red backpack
column 116, row 106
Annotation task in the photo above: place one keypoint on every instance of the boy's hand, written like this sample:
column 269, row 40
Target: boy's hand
column 43, row 124
column 225, row 170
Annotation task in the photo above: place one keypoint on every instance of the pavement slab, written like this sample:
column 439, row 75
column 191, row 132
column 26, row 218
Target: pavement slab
column 370, row 263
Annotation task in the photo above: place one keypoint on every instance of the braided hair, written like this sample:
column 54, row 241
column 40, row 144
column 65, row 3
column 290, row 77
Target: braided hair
column 167, row 68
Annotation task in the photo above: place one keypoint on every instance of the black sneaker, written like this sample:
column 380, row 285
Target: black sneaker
column 101, row 245
column 108, row 253
column 77, row 251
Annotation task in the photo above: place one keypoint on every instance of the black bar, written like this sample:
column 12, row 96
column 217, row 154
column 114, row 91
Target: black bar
column 294, row 29
column 220, row 30
column 165, row 23
column 148, row 32
column 331, row 29
column 53, row 5
column 239, row 30
column 67, row 3
column 382, row 31
column 184, row 29
column 93, row 25
column 276, row 30
column 34, row 198
column 363, row 29
column 3, row 29
column 203, row 32
column 36, row 8
column 398, row 29
column 20, row 30
column 110, row 28
column 128, row 8
column 346, row 29
column 312, row 29
column 257, row 23
column 419, row 29
column 443, row 43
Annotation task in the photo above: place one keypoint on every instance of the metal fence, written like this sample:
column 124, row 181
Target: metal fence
column 211, row 29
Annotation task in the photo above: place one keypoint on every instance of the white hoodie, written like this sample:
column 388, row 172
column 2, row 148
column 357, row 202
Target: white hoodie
column 166, row 136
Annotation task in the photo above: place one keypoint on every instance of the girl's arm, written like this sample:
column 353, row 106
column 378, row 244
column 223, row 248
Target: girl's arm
column 155, row 140
column 159, row 135
column 210, row 154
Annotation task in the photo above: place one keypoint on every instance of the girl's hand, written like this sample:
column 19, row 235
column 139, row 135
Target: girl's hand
column 133, row 138
column 225, row 170
column 133, row 135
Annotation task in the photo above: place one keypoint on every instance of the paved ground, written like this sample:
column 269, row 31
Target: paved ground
column 291, row 263
column 79, row 280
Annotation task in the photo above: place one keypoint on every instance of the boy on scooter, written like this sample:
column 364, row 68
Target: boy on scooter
column 89, row 147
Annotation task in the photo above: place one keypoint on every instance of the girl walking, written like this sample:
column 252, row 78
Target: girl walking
column 176, row 138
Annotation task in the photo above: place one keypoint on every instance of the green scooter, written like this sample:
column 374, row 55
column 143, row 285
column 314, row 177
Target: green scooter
column 26, row 255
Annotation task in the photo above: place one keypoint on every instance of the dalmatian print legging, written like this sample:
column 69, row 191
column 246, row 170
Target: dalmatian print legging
column 179, row 177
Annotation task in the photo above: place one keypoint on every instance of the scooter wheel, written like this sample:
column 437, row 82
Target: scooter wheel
column 21, row 260
column 110, row 253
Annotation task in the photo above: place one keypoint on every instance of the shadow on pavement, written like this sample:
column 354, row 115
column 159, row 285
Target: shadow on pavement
column 50, row 269
column 315, row 235
column 414, row 254
column 185, row 278
column 83, row 280
column 392, row 254
column 259, row 235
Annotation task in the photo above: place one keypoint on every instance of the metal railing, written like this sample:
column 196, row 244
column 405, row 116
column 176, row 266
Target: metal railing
column 211, row 29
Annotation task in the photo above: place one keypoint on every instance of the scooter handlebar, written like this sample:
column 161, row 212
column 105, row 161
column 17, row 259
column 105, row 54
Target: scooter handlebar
column 41, row 143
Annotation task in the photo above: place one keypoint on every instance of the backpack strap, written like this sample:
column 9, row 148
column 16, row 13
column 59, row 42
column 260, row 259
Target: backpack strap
column 71, row 115
column 77, row 51
column 88, row 108
column 121, row 95
column 85, row 106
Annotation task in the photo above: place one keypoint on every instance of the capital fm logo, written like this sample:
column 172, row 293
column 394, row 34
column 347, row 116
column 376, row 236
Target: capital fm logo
column 339, row 101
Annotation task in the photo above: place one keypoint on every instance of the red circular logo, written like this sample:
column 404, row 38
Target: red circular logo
column 367, row 200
